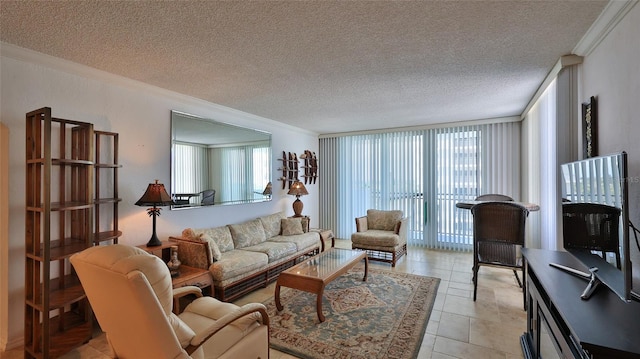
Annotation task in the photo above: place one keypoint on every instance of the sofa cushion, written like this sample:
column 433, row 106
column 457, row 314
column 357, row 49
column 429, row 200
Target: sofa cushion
column 237, row 262
column 303, row 242
column 274, row 250
column 383, row 220
column 183, row 330
column 271, row 223
column 376, row 238
column 248, row 233
column 204, row 311
column 291, row 226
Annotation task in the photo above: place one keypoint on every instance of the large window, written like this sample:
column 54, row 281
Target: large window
column 423, row 173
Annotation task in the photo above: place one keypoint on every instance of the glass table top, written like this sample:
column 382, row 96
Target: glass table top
column 325, row 263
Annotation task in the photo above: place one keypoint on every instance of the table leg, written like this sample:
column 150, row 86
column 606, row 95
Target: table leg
column 277, row 297
column 366, row 268
column 319, row 305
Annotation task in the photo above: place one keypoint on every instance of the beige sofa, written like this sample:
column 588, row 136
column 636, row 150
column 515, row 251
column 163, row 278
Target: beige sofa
column 245, row 256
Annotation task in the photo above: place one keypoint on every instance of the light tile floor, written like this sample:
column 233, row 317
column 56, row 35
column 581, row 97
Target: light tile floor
column 459, row 327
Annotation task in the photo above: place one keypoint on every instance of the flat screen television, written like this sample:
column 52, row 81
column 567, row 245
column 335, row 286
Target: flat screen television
column 602, row 180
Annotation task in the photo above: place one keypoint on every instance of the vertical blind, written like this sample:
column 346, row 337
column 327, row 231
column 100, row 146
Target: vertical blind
column 423, row 173
column 191, row 172
column 194, row 171
column 237, row 166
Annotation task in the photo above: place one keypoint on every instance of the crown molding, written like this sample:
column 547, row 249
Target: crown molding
column 606, row 21
column 244, row 118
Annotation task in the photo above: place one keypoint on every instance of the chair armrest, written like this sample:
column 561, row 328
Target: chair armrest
column 193, row 253
column 225, row 320
column 361, row 224
column 186, row 290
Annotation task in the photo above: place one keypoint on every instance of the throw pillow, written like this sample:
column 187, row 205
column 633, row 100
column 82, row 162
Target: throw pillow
column 204, row 236
column 214, row 251
column 305, row 224
column 188, row 233
column 221, row 235
column 291, row 226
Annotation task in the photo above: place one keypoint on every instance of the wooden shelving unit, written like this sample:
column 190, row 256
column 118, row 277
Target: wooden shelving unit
column 289, row 169
column 106, row 188
column 59, row 223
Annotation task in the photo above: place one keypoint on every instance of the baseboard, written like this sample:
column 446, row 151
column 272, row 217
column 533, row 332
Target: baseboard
column 11, row 344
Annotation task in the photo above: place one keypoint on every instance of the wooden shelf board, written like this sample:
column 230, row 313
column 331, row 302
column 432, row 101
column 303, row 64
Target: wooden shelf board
column 106, row 200
column 105, row 236
column 59, row 252
column 70, row 206
column 59, row 298
column 107, row 165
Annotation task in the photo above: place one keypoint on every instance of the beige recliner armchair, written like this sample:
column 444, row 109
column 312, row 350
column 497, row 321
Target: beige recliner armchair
column 383, row 234
column 132, row 297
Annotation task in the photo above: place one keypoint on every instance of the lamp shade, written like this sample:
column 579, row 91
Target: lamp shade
column 297, row 189
column 155, row 195
column 267, row 190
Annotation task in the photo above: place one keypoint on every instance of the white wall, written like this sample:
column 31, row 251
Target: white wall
column 611, row 72
column 141, row 115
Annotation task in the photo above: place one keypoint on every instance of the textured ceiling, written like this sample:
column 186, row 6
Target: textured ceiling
column 326, row 66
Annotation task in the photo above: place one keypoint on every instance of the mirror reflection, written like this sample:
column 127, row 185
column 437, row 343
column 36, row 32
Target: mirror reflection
column 214, row 163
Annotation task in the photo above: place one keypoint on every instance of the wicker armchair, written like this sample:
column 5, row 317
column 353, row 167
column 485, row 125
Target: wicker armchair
column 383, row 234
column 493, row 197
column 591, row 226
column 498, row 236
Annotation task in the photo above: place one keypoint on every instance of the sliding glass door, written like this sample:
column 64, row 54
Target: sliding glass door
column 423, row 173
column 454, row 177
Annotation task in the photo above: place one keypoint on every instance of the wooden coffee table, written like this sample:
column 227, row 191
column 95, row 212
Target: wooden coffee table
column 315, row 273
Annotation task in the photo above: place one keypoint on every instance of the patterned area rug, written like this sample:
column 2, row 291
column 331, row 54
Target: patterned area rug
column 384, row 317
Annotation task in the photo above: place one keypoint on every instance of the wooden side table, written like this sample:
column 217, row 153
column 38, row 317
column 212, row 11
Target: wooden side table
column 187, row 275
column 162, row 251
column 200, row 278
column 191, row 276
column 325, row 235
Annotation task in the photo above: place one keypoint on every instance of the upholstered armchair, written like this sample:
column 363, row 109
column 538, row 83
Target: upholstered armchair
column 383, row 234
column 131, row 294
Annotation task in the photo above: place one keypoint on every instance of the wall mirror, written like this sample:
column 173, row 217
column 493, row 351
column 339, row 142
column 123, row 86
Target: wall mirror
column 214, row 163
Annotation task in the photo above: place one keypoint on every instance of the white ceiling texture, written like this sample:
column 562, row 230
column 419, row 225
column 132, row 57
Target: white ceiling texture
column 326, row 66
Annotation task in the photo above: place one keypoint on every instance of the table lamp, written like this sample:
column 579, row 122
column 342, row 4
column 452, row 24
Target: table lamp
column 297, row 189
column 268, row 190
column 155, row 196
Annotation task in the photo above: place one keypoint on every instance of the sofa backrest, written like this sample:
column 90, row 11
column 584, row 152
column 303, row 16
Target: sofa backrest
column 271, row 224
column 248, row 233
column 383, row 220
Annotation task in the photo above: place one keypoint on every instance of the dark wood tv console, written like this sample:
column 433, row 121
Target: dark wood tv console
column 561, row 325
